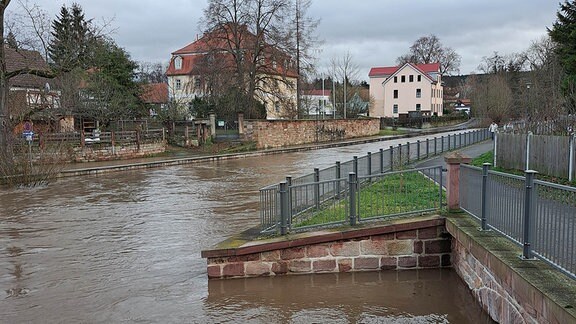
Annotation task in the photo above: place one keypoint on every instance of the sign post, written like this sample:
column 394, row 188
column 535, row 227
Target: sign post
column 29, row 136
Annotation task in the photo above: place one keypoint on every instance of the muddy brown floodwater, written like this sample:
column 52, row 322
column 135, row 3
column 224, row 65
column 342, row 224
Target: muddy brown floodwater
column 125, row 247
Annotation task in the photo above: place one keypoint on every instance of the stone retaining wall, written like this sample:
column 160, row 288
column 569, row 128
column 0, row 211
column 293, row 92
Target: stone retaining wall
column 410, row 246
column 280, row 133
column 511, row 290
column 101, row 152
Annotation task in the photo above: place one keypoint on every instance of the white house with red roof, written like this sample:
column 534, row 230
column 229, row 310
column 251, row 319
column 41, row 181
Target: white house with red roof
column 406, row 89
column 318, row 102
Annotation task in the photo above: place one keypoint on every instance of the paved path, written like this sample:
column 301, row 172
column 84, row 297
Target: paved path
column 472, row 151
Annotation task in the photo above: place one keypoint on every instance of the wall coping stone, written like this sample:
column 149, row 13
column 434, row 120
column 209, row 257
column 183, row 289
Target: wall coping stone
column 247, row 242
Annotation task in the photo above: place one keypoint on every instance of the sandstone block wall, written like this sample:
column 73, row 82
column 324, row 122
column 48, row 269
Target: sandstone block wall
column 281, row 133
column 413, row 249
column 99, row 152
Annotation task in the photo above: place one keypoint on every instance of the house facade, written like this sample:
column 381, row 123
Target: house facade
column 207, row 65
column 34, row 95
column 317, row 102
column 406, row 90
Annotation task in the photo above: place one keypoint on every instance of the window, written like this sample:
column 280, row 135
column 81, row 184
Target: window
column 177, row 62
column 277, row 106
column 395, row 111
column 403, row 79
column 178, row 84
column 395, row 94
column 395, row 79
column 418, row 107
column 418, row 93
column 419, row 78
column 411, row 78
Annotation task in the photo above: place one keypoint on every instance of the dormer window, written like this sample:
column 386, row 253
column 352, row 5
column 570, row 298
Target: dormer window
column 178, row 62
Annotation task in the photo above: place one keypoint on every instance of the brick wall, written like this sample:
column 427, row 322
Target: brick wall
column 416, row 248
column 281, row 133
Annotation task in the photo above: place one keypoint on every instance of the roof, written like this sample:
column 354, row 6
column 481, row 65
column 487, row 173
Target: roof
column 389, row 70
column 315, row 92
column 18, row 59
column 155, row 93
column 217, row 42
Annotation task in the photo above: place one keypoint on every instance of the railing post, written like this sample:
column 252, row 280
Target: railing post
column 355, row 165
column 460, row 139
column 289, row 184
column 435, row 145
column 571, row 159
column 408, row 153
column 284, row 209
column 317, row 188
column 448, row 142
column 496, row 149
column 427, row 148
column 353, row 185
column 442, row 144
column 527, row 150
column 369, row 163
column 338, row 175
column 400, row 155
column 528, row 197
column 381, row 160
column 417, row 150
column 391, row 158
column 485, row 168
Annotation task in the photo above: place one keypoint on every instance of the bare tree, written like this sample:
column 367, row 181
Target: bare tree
column 429, row 49
column 305, row 43
column 345, row 69
column 252, row 33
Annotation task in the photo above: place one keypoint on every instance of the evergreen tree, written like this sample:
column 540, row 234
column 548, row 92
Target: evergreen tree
column 72, row 38
column 563, row 33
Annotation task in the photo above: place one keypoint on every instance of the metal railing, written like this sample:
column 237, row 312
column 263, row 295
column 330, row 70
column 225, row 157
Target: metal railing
column 356, row 199
column 385, row 160
column 537, row 215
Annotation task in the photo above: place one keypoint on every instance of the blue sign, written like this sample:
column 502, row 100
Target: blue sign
column 29, row 135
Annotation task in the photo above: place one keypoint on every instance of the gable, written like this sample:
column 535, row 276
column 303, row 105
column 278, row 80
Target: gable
column 411, row 67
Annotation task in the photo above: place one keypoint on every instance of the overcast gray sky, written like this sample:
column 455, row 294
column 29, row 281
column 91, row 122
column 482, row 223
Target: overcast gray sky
column 375, row 32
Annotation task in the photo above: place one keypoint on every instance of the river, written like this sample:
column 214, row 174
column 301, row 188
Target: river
column 125, row 247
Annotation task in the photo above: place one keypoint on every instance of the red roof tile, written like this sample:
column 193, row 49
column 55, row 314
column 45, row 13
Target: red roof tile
column 389, row 70
column 315, row 92
column 155, row 93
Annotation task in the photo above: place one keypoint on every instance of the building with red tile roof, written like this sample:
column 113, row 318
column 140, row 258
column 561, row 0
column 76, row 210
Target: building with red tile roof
column 205, row 65
column 406, row 89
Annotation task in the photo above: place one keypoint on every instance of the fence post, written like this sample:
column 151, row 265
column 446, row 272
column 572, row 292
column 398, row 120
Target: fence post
column 453, row 161
column 485, row 167
column 163, row 135
column 496, row 149
column 381, row 160
column 528, row 150
column 317, row 188
column 435, row 144
column 284, row 209
column 369, row 163
column 408, row 153
column 338, row 175
column 529, row 193
column 391, row 158
column 417, row 150
column 460, row 139
column 353, row 185
column 427, row 147
column 442, row 144
column 448, row 142
column 400, row 155
column 289, row 194
column 571, row 161
column 355, row 165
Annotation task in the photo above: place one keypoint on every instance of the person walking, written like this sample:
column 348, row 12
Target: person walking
column 493, row 128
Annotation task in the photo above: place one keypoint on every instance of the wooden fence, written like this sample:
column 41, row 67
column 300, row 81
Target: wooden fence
column 550, row 155
column 103, row 138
